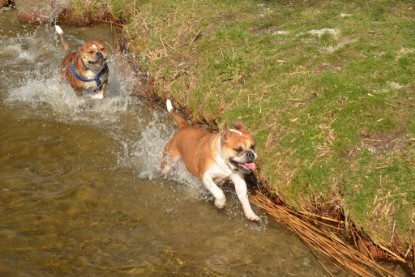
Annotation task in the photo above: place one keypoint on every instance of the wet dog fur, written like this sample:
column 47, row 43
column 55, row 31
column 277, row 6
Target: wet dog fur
column 89, row 63
column 213, row 158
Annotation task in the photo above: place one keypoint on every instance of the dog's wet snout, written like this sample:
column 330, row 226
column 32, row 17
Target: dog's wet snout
column 99, row 54
column 250, row 156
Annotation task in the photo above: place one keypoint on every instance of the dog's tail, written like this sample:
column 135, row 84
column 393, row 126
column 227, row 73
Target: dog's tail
column 177, row 118
column 63, row 41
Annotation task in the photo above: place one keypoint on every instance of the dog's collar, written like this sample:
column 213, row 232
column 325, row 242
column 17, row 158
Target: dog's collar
column 97, row 78
column 221, row 161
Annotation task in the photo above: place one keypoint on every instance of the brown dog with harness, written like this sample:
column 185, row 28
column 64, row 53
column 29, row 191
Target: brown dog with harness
column 86, row 69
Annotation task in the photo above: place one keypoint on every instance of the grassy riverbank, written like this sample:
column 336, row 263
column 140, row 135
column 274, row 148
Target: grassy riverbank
column 326, row 87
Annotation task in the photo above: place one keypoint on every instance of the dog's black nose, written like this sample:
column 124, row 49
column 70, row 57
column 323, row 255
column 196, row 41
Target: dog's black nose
column 250, row 156
column 99, row 54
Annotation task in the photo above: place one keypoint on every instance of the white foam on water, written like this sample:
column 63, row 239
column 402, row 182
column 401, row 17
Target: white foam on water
column 16, row 54
column 40, row 88
column 144, row 150
column 16, row 51
column 148, row 149
column 5, row 9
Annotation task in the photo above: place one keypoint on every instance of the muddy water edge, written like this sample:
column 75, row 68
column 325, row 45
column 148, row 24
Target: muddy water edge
column 80, row 192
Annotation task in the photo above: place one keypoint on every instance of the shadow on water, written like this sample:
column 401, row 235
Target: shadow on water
column 80, row 192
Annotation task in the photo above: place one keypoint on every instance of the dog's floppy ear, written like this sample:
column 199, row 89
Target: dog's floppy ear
column 224, row 132
column 240, row 127
column 79, row 48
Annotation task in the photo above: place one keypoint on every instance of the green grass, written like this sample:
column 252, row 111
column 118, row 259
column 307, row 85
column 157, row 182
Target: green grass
column 329, row 111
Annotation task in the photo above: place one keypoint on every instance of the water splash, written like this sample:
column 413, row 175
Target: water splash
column 32, row 60
column 16, row 54
column 149, row 147
column 142, row 134
column 42, row 87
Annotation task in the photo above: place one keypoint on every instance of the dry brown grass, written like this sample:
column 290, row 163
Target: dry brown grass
column 323, row 240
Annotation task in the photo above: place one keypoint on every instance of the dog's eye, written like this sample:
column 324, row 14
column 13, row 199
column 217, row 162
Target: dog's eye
column 91, row 52
column 102, row 49
column 239, row 149
column 253, row 147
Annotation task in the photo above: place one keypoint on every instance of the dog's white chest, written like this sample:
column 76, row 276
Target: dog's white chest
column 219, row 172
column 90, row 85
column 90, row 74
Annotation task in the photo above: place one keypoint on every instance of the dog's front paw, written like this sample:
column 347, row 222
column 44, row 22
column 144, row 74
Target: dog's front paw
column 97, row 96
column 252, row 217
column 220, row 202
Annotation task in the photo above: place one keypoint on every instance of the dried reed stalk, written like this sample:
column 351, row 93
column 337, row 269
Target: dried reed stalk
column 322, row 240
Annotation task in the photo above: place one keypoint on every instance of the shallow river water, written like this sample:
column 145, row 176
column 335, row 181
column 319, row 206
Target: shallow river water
column 80, row 191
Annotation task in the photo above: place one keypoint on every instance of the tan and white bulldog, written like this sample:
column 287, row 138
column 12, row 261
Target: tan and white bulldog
column 213, row 157
column 86, row 69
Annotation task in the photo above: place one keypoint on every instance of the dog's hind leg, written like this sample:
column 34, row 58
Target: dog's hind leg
column 170, row 158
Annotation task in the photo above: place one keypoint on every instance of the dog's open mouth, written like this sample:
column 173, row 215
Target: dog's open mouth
column 99, row 61
column 244, row 167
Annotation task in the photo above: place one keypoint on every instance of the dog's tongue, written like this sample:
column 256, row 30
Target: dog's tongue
column 250, row 166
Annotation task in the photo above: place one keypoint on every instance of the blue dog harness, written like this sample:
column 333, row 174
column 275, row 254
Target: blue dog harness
column 96, row 78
